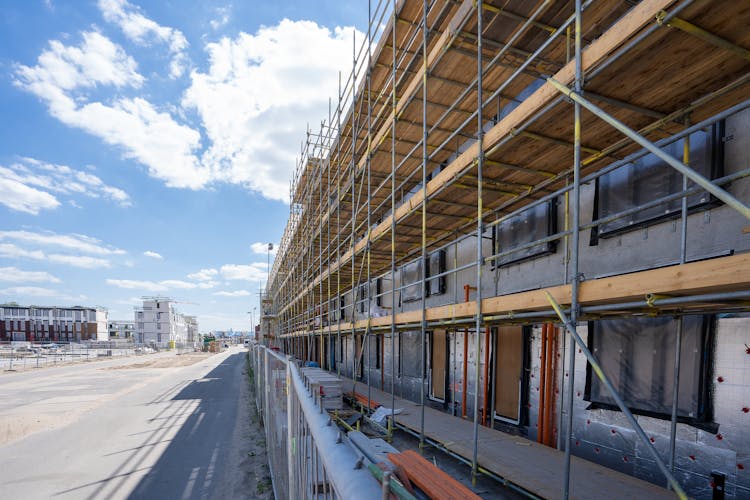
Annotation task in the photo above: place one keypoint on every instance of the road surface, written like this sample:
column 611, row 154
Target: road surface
column 161, row 426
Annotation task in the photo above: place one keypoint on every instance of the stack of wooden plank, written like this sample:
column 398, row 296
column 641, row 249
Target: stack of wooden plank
column 325, row 385
column 434, row 482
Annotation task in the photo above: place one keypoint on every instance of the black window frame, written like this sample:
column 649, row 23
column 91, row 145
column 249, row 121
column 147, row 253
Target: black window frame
column 706, row 332
column 365, row 293
column 362, row 297
column 436, row 265
column 706, row 146
column 547, row 212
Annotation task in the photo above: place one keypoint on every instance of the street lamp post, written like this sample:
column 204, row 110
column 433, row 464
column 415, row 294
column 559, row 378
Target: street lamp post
column 252, row 321
column 268, row 270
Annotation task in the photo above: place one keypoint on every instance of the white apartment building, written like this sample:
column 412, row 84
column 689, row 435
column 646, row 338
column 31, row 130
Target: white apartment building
column 121, row 329
column 191, row 328
column 157, row 321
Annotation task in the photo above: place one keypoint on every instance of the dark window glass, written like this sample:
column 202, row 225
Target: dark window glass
column 649, row 178
column 637, row 354
column 409, row 354
column 436, row 266
column 528, row 226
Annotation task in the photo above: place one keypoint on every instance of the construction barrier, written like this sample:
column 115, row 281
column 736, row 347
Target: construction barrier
column 306, row 452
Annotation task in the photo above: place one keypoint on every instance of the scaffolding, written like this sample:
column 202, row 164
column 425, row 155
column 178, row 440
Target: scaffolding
column 458, row 117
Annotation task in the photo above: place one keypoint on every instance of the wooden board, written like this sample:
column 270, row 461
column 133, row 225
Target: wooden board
column 438, row 363
column 509, row 361
column 532, row 466
column 719, row 274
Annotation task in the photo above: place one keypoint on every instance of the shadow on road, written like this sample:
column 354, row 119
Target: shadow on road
column 196, row 461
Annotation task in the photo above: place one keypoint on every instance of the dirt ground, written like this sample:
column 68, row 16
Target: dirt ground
column 186, row 359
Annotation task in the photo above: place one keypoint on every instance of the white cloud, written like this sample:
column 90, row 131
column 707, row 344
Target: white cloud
column 222, row 18
column 251, row 272
column 148, row 286
column 145, row 32
column 41, row 179
column 262, row 248
column 22, row 198
column 178, row 284
column 90, row 253
column 82, row 261
column 34, row 291
column 146, row 134
column 153, row 255
column 78, row 242
column 16, row 275
column 235, row 293
column 11, row 251
column 259, row 93
column 253, row 101
column 159, row 286
column 203, row 275
column 97, row 61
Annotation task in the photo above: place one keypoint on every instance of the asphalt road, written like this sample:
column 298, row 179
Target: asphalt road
column 139, row 428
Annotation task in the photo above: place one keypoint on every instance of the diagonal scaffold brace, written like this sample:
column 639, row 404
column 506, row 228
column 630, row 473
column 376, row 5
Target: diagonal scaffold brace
column 685, row 170
column 596, row 367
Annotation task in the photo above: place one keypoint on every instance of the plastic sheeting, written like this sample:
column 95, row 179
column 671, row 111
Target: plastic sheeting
column 528, row 226
column 411, row 278
column 638, row 355
column 648, row 179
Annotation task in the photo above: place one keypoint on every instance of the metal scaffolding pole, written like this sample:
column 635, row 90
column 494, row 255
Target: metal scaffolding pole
column 393, row 223
column 678, row 339
column 645, row 143
column 354, row 203
column 480, row 259
column 369, row 196
column 339, row 166
column 575, row 243
column 596, row 367
column 423, row 254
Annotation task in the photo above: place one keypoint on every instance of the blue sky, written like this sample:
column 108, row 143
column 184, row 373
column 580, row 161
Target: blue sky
column 146, row 147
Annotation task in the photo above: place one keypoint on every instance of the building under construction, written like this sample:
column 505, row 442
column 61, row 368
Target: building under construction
column 526, row 224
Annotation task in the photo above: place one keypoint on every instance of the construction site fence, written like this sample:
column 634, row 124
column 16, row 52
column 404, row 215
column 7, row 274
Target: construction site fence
column 21, row 355
column 307, row 453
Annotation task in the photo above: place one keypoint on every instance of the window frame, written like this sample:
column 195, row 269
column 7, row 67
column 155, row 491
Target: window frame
column 639, row 174
column 407, row 290
column 435, row 265
column 535, row 252
column 704, row 412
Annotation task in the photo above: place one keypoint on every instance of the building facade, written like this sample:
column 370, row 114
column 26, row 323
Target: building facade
column 191, row 330
column 52, row 324
column 121, row 329
column 158, row 322
column 427, row 253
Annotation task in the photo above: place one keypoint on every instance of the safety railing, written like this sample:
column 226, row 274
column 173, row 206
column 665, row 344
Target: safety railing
column 307, row 453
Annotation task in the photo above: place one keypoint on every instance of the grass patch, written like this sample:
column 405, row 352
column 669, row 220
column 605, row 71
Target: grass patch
column 263, row 485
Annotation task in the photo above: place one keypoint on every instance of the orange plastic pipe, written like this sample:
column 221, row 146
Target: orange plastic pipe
column 554, row 331
column 548, row 388
column 485, row 420
column 541, row 420
column 467, row 288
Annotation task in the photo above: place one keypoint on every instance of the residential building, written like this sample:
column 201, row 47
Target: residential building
column 52, row 323
column 506, row 248
column 121, row 329
column 191, row 329
column 158, row 322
